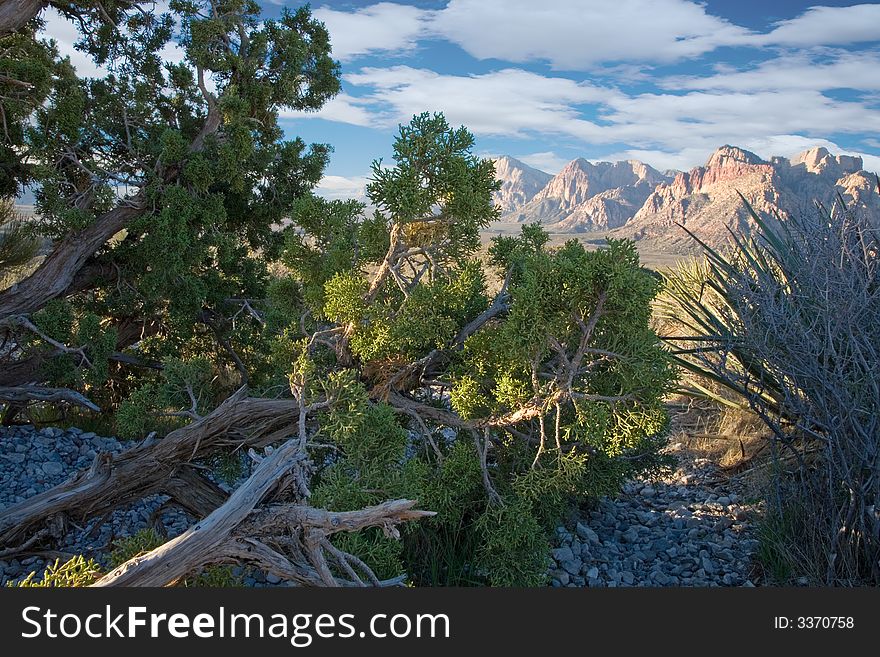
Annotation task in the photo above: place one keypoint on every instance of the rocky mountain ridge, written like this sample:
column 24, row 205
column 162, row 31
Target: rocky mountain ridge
column 632, row 199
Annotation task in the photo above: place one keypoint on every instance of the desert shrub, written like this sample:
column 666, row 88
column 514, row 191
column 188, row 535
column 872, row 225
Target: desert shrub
column 788, row 319
column 129, row 547
column 76, row 571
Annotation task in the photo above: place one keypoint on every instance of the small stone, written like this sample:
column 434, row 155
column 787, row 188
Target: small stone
column 593, row 573
column 272, row 578
column 631, row 535
column 587, row 534
column 53, row 468
column 562, row 577
column 648, row 491
column 660, row 577
column 571, row 566
column 723, row 501
column 563, row 554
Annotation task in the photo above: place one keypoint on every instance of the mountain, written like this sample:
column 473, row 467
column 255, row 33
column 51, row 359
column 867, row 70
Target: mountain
column 587, row 196
column 706, row 199
column 631, row 199
column 519, row 183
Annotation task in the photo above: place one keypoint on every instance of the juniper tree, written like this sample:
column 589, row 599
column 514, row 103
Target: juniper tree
column 159, row 183
column 498, row 411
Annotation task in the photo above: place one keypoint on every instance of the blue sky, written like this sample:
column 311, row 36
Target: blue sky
column 664, row 81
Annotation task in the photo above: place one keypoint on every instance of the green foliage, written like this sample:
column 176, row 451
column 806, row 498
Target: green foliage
column 213, row 169
column 76, row 571
column 603, row 418
column 215, row 576
column 129, row 547
column 182, row 384
column 514, row 550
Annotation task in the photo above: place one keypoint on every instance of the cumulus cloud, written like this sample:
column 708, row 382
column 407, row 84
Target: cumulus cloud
column 518, row 103
column 510, row 102
column 381, row 28
column 342, row 187
column 798, row 70
column 546, row 161
column 575, row 36
column 827, row 26
column 578, row 36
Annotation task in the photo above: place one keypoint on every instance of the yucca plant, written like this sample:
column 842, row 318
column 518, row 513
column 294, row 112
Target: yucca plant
column 789, row 320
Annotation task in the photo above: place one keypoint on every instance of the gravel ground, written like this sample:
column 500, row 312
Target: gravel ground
column 679, row 531
column 33, row 460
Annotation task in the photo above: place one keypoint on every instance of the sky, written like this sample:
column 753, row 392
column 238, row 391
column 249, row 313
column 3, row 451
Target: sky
column 547, row 81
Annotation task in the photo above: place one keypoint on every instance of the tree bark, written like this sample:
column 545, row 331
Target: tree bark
column 15, row 14
column 25, row 394
column 60, row 269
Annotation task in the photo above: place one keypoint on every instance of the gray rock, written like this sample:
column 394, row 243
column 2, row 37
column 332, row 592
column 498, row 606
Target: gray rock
column 562, row 577
column 571, row 566
column 53, row 468
column 593, row 573
column 587, row 534
column 562, row 554
column 272, row 578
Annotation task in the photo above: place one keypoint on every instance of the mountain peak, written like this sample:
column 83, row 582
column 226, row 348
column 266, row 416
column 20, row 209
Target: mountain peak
column 732, row 155
column 519, row 182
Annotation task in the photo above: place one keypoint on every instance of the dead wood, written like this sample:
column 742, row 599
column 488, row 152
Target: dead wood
column 151, row 467
column 289, row 540
column 26, row 394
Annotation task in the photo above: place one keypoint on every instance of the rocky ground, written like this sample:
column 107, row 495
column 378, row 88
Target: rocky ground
column 687, row 529
column 679, row 531
column 33, row 460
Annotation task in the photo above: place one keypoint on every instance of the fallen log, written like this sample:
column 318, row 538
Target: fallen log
column 26, row 394
column 288, row 540
column 152, row 466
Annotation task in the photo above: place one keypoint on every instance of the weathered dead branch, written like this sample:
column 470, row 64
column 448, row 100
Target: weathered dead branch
column 289, row 540
column 152, row 467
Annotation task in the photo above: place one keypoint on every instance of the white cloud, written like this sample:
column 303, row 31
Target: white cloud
column 827, row 26
column 510, row 102
column 384, row 27
column 342, row 187
column 518, row 103
column 342, row 108
column 575, row 36
column 548, row 161
column 800, row 70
